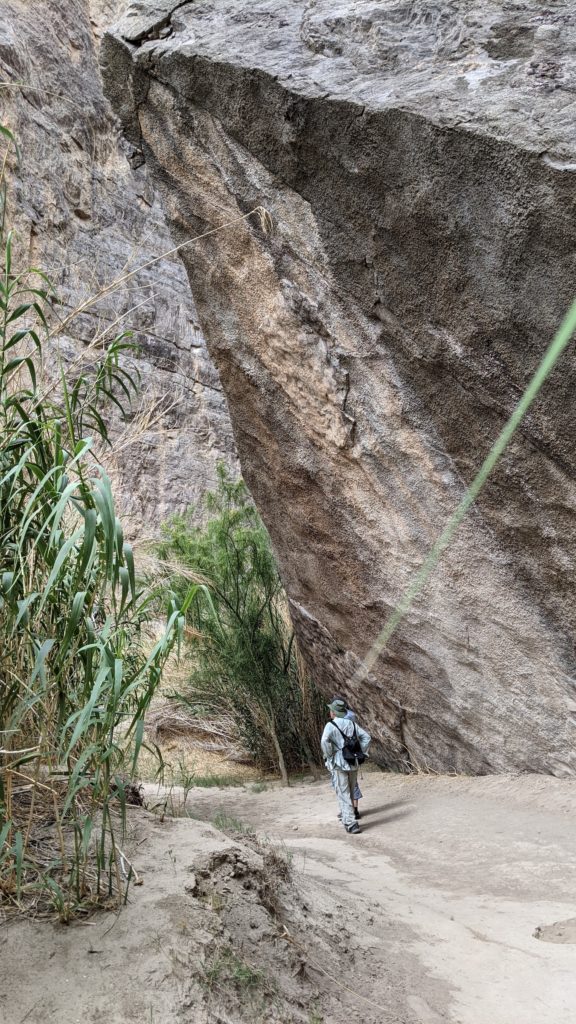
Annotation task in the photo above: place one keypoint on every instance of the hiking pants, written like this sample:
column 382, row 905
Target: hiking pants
column 345, row 784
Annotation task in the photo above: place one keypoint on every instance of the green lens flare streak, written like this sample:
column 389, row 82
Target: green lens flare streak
column 549, row 360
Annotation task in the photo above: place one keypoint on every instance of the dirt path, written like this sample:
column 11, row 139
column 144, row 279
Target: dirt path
column 464, row 870
column 442, row 894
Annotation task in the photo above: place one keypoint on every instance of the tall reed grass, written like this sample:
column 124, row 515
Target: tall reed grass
column 77, row 669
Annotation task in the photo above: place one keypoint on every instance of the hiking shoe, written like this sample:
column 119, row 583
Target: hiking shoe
column 356, row 814
column 353, row 829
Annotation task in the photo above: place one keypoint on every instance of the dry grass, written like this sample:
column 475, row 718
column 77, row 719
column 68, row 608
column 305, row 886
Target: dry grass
column 37, row 814
column 182, row 746
column 215, row 735
column 187, row 760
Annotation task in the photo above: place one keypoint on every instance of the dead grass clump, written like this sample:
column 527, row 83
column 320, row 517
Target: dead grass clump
column 61, row 870
column 216, row 735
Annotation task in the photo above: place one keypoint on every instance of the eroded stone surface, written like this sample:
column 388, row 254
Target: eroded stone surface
column 84, row 215
column 418, row 162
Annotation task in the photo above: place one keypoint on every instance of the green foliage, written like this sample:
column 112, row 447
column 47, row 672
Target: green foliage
column 242, row 640
column 74, row 678
column 228, row 968
column 259, row 787
column 227, row 823
column 215, row 781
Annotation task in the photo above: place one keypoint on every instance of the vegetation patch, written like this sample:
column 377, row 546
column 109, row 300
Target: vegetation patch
column 227, row 967
column 81, row 656
column 232, row 826
column 245, row 661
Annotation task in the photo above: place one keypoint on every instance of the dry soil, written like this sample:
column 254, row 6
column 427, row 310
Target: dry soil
column 455, row 904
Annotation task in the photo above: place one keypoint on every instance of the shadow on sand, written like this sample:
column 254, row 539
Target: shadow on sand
column 369, row 820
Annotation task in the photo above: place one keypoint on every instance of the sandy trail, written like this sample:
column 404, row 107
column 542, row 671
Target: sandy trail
column 464, row 869
column 442, row 892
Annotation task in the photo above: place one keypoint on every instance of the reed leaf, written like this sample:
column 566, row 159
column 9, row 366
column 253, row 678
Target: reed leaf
column 73, row 675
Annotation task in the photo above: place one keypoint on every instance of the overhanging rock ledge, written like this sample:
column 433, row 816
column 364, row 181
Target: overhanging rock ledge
column 419, row 163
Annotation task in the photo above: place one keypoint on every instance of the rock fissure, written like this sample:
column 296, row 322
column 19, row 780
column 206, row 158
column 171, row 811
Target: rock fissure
column 81, row 213
column 139, row 27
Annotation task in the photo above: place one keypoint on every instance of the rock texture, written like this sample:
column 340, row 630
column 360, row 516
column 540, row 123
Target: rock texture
column 82, row 213
column 418, row 161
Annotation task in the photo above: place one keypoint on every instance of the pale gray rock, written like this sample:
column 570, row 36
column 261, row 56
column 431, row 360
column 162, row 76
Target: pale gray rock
column 83, row 214
column 418, row 161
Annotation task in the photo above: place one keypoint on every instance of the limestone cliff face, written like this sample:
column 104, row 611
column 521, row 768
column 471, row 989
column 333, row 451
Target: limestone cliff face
column 84, row 214
column 419, row 163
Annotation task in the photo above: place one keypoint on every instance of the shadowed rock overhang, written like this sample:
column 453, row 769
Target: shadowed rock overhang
column 418, row 162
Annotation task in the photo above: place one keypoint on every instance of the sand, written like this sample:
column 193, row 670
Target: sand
column 455, row 904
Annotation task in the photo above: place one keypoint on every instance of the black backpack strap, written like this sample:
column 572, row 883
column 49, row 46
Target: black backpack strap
column 345, row 735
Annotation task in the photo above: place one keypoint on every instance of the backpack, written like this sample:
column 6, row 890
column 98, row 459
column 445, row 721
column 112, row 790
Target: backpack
column 351, row 751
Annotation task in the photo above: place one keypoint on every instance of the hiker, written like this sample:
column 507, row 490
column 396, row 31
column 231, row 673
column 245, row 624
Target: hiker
column 357, row 794
column 344, row 745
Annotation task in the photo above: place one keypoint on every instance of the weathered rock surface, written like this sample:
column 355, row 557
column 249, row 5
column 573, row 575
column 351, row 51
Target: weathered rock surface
column 84, row 215
column 419, row 163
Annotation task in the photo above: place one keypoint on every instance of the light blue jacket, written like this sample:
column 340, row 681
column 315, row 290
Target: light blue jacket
column 332, row 742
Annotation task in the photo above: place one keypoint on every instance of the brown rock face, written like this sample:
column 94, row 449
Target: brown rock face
column 419, row 165
column 84, row 215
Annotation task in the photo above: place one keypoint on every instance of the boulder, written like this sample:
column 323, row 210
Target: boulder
column 375, row 203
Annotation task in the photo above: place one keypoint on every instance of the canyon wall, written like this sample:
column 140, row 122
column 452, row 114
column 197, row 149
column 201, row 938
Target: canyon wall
column 85, row 211
column 374, row 329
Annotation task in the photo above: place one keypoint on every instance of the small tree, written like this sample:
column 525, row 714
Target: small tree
column 243, row 646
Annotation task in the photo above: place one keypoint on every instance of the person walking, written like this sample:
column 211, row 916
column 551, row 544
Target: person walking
column 357, row 794
column 344, row 746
